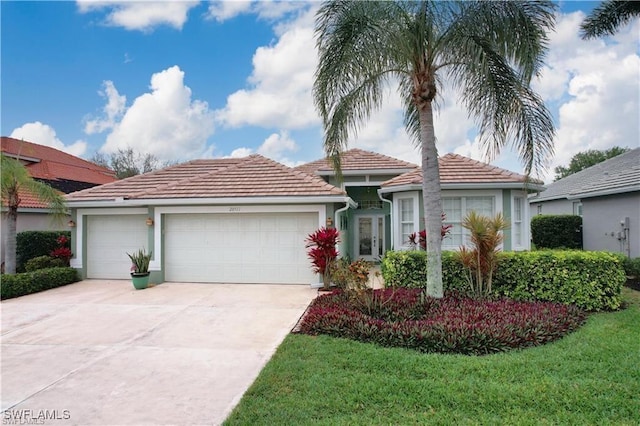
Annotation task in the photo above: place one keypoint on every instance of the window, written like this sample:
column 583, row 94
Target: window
column 407, row 217
column 539, row 208
column 517, row 221
column 577, row 208
column 455, row 209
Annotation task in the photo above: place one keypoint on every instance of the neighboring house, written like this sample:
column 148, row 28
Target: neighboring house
column 245, row 220
column 60, row 170
column 607, row 196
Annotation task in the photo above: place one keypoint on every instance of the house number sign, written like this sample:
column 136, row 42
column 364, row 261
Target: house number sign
column 234, row 209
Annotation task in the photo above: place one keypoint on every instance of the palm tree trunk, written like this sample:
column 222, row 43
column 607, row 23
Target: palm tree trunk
column 432, row 199
column 10, row 249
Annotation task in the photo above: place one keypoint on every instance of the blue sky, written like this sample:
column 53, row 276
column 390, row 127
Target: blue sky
column 187, row 80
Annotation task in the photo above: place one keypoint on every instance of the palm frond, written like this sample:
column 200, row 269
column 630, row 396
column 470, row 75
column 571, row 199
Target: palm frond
column 608, row 17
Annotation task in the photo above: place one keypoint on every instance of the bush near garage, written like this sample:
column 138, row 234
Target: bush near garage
column 32, row 282
column 590, row 280
column 30, row 244
column 43, row 262
column 556, row 231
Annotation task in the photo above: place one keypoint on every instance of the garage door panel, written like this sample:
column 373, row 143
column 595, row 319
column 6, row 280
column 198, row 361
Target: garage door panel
column 109, row 239
column 249, row 248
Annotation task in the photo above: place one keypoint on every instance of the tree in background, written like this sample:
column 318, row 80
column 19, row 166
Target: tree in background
column 585, row 159
column 488, row 50
column 127, row 162
column 608, row 17
column 15, row 178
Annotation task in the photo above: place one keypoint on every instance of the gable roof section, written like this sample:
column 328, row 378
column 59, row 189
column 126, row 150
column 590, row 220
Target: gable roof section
column 457, row 171
column 49, row 164
column 356, row 161
column 252, row 176
column 616, row 175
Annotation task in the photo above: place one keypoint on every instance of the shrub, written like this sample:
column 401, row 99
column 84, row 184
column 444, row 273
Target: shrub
column 453, row 324
column 590, row 280
column 322, row 251
column 30, row 244
column 632, row 266
column 556, row 231
column 43, row 262
column 409, row 269
column 32, row 282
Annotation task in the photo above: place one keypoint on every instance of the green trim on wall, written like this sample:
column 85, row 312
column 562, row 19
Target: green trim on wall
column 506, row 212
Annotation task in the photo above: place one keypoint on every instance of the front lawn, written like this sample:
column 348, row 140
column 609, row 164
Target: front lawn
column 591, row 376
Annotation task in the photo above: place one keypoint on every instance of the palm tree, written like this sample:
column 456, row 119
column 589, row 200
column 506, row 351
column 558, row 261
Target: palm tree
column 608, row 17
column 489, row 51
column 15, row 178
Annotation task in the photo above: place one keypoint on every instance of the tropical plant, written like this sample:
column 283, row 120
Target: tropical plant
column 15, row 180
column 421, row 237
column 488, row 50
column 481, row 260
column 322, row 252
column 608, row 17
column 140, row 262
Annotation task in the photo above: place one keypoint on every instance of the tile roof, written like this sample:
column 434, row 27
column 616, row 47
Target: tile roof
column 457, row 169
column 252, row 176
column 46, row 163
column 616, row 175
column 29, row 201
column 358, row 159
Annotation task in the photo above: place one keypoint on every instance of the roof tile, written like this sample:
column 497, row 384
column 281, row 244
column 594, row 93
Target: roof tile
column 357, row 159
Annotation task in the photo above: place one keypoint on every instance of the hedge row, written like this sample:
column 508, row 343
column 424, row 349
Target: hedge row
column 589, row 280
column 32, row 282
column 556, row 231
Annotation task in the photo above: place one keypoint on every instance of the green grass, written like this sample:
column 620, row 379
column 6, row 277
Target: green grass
column 589, row 377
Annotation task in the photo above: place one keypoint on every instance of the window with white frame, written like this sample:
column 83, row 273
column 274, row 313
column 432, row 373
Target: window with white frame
column 407, row 219
column 518, row 203
column 455, row 209
column 577, row 208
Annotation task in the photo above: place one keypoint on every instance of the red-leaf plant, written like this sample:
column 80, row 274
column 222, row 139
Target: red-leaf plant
column 422, row 235
column 322, row 251
column 62, row 251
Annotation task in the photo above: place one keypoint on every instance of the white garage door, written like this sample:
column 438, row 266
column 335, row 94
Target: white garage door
column 109, row 239
column 238, row 248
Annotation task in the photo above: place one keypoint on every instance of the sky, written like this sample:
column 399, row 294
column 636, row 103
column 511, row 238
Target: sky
column 194, row 79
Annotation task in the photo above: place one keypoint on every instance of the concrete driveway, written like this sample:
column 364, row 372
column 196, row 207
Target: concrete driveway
column 100, row 352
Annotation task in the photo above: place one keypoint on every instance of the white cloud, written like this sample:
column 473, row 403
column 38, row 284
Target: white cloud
column 140, row 15
column 165, row 122
column 280, row 94
column 113, row 110
column 43, row 134
column 594, row 88
column 275, row 146
column 265, row 9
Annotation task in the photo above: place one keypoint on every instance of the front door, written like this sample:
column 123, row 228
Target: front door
column 370, row 238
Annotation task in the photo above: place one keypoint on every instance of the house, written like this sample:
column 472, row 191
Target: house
column 64, row 172
column 607, row 196
column 245, row 220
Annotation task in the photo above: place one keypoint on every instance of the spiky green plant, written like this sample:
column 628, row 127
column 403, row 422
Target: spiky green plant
column 608, row 17
column 485, row 236
column 488, row 50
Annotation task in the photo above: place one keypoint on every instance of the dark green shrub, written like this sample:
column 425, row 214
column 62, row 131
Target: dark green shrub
column 632, row 266
column 590, row 280
column 43, row 262
column 408, row 268
column 556, row 231
column 30, row 244
column 32, row 282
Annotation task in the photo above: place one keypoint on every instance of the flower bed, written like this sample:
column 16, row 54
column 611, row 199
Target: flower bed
column 454, row 324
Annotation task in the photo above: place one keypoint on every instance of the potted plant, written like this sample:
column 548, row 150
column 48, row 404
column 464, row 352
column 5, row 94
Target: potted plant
column 140, row 268
column 322, row 252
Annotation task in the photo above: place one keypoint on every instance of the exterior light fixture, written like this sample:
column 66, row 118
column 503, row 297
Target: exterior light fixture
column 71, row 224
column 329, row 221
column 149, row 221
